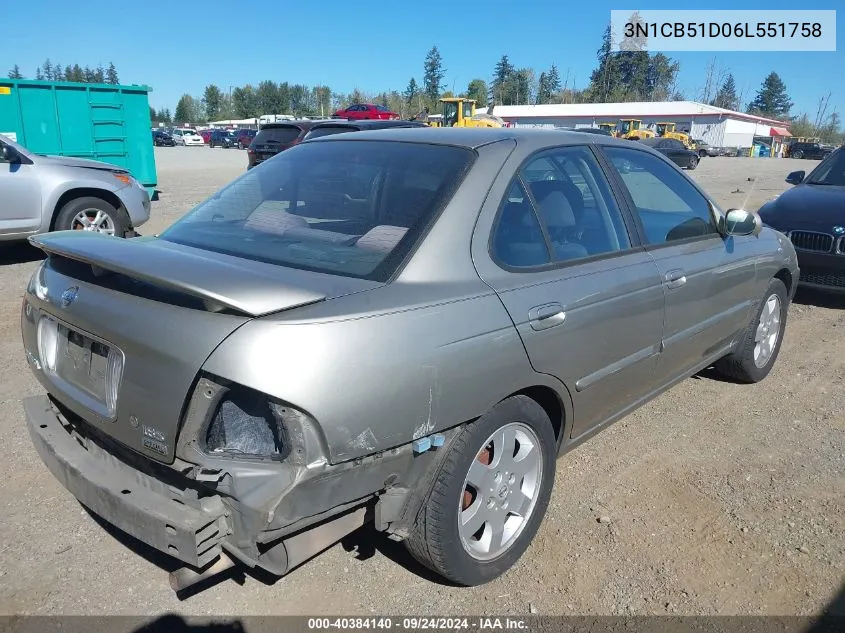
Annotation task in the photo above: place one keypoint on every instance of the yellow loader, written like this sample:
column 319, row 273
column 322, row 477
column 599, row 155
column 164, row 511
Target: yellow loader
column 666, row 129
column 460, row 112
column 610, row 127
column 633, row 130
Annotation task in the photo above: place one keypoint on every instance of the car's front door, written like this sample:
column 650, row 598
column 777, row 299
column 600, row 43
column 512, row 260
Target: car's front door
column 709, row 280
column 20, row 197
column 587, row 302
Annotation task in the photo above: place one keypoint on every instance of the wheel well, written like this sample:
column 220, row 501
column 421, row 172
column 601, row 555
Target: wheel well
column 786, row 277
column 550, row 401
column 73, row 194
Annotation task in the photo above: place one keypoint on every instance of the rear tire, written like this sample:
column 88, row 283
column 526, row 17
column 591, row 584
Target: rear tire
column 758, row 351
column 693, row 163
column 798, row 154
column 92, row 214
column 503, row 465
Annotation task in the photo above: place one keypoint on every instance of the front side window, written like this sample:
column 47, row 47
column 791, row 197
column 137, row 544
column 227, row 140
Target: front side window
column 562, row 196
column 669, row 207
column 351, row 208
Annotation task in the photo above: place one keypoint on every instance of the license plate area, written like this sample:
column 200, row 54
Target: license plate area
column 82, row 362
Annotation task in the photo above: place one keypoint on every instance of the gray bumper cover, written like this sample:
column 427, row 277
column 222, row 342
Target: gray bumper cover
column 138, row 504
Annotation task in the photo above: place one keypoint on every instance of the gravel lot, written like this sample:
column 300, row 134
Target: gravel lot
column 713, row 499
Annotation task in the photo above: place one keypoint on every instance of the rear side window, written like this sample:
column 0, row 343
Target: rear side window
column 281, row 134
column 329, row 130
column 352, row 208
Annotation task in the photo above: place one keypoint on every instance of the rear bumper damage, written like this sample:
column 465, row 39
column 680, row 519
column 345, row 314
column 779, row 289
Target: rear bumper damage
column 271, row 516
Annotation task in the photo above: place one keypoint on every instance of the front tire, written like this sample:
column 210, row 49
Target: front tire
column 92, row 214
column 693, row 163
column 490, row 494
column 760, row 346
column 798, row 154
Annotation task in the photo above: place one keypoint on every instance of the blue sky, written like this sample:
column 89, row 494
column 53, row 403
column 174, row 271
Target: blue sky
column 215, row 41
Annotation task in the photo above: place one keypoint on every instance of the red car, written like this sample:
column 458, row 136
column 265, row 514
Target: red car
column 205, row 134
column 366, row 111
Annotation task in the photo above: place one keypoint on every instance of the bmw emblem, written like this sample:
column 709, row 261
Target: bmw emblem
column 839, row 230
column 69, row 296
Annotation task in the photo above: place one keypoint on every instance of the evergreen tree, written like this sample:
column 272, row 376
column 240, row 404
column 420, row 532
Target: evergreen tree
column 15, row 73
column 39, row 74
column 185, row 110
column 111, row 75
column 212, row 100
column 772, row 99
column 726, row 95
column 411, row 91
column 477, row 89
column 47, row 70
column 100, row 75
column 434, row 73
column 502, row 74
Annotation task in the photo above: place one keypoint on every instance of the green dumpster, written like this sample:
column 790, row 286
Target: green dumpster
column 105, row 122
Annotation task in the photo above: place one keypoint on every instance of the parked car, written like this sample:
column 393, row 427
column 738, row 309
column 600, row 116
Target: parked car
column 816, row 151
column 704, row 148
column 205, row 134
column 162, row 139
column 273, row 138
column 223, row 138
column 245, row 138
column 187, row 136
column 675, row 150
column 339, row 127
column 54, row 193
column 366, row 111
column 385, row 326
column 812, row 215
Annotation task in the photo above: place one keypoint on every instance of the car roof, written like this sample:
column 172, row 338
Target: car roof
column 302, row 124
column 472, row 138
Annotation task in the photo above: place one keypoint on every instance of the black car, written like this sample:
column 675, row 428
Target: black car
column 812, row 215
column 223, row 138
column 815, row 151
column 273, row 138
column 674, row 150
column 340, row 126
column 163, row 139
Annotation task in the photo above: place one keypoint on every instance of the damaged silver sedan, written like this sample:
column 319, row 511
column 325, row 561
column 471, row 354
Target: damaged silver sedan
column 401, row 327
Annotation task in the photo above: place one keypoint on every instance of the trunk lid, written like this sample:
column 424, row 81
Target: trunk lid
column 166, row 307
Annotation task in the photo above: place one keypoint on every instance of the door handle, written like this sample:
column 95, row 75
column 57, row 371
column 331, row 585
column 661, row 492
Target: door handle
column 546, row 316
column 675, row 278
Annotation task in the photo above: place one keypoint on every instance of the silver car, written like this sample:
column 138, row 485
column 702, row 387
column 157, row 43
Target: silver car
column 405, row 327
column 49, row 193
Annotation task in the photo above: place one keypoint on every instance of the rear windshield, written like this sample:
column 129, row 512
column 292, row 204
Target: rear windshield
column 352, row 208
column 281, row 134
column 329, row 129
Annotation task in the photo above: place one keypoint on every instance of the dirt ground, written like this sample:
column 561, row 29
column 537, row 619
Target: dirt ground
column 721, row 499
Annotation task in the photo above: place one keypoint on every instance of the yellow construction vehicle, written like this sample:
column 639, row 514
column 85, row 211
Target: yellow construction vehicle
column 609, row 127
column 460, row 112
column 633, row 130
column 666, row 129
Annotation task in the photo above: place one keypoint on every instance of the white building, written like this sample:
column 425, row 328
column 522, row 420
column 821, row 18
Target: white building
column 717, row 126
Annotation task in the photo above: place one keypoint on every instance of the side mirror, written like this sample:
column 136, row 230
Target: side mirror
column 795, row 178
column 8, row 154
column 742, row 222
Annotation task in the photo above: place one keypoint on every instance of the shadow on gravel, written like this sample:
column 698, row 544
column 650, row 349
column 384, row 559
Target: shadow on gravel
column 19, row 253
column 820, row 299
column 169, row 564
column 832, row 620
column 366, row 541
column 172, row 623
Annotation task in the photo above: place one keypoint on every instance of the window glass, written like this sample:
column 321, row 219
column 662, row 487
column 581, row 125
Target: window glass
column 518, row 240
column 575, row 204
column 350, row 208
column 669, row 206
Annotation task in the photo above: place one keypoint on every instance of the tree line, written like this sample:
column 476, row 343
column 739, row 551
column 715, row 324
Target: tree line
column 54, row 71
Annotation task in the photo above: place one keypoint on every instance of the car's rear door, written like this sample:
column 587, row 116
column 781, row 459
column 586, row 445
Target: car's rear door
column 586, row 300
column 709, row 281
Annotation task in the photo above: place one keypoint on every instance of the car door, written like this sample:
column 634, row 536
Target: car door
column 20, row 196
column 586, row 300
column 709, row 281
